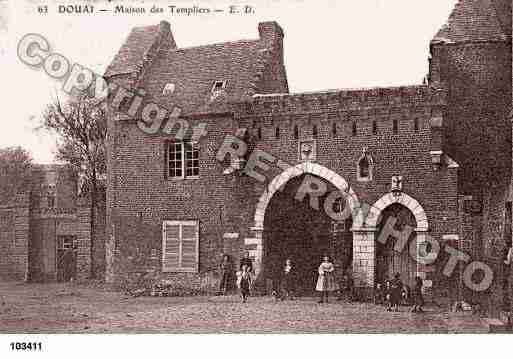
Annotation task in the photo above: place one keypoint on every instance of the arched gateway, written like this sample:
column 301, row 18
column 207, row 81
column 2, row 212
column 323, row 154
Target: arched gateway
column 365, row 220
column 256, row 243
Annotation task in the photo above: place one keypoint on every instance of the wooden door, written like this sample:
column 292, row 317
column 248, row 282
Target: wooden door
column 389, row 260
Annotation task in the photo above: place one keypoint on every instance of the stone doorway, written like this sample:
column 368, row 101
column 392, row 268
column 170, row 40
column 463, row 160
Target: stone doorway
column 388, row 259
column 297, row 230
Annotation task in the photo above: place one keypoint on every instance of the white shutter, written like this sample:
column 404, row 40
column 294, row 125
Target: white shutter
column 190, row 240
column 170, row 246
column 180, row 246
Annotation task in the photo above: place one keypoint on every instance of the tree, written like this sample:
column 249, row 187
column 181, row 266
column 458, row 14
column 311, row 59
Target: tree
column 15, row 168
column 80, row 124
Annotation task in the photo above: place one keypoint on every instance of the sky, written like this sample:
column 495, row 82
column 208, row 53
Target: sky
column 327, row 45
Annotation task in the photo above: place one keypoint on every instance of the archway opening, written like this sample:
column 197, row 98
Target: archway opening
column 391, row 256
column 296, row 229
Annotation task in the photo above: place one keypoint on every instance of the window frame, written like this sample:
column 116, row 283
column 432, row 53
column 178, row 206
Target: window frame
column 216, row 89
column 183, row 159
column 370, row 168
column 180, row 224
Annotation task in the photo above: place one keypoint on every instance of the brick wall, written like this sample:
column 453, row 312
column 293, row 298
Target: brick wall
column 143, row 197
column 14, row 238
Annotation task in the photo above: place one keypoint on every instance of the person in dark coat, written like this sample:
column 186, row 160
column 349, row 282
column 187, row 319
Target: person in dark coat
column 288, row 278
column 395, row 295
column 418, row 300
column 226, row 269
column 346, row 288
column 379, row 294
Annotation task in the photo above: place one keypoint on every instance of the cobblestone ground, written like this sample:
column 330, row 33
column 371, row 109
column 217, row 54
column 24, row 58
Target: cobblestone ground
column 66, row 308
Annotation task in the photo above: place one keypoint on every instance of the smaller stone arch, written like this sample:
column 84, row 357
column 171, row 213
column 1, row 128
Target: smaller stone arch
column 404, row 199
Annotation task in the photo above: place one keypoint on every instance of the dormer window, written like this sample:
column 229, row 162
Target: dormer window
column 169, row 88
column 218, row 86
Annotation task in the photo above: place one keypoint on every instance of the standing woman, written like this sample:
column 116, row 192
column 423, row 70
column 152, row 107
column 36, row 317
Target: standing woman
column 326, row 281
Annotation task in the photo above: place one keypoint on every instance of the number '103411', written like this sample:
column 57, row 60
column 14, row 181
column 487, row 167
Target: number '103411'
column 33, row 346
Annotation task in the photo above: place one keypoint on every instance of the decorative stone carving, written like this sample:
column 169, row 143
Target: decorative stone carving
column 397, row 185
column 307, row 150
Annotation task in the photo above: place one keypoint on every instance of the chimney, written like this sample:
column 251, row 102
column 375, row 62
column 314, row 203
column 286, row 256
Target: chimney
column 270, row 32
column 165, row 32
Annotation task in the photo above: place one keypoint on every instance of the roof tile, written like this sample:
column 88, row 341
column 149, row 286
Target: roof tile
column 476, row 20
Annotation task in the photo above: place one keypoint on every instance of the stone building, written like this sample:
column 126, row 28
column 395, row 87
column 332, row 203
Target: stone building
column 435, row 158
column 46, row 230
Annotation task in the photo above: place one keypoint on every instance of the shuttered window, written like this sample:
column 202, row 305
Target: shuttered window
column 180, row 246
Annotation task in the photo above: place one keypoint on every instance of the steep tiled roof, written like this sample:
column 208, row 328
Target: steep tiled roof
column 193, row 71
column 131, row 54
column 477, row 20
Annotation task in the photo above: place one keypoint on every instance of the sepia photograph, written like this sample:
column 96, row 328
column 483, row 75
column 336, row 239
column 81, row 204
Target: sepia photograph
column 255, row 167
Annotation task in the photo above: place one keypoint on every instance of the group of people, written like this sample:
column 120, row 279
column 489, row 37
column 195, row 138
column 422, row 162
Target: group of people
column 244, row 276
column 393, row 292
column 326, row 281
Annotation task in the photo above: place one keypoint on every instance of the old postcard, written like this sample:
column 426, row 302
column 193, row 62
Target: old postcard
column 255, row 167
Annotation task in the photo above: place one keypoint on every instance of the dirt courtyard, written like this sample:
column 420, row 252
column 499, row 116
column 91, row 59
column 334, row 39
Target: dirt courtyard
column 72, row 308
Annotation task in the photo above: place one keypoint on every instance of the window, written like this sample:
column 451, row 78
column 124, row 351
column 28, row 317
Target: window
column 374, row 127
column 183, row 159
column 355, row 129
column 296, row 132
column 259, row 133
column 394, row 126
column 314, row 131
column 180, row 246
column 169, row 88
column 334, row 128
column 218, row 86
column 416, row 125
column 277, row 133
column 364, row 167
column 339, row 205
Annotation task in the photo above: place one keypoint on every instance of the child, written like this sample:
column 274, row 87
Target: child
column 325, row 281
column 395, row 295
column 418, row 300
column 244, row 282
column 379, row 294
column 406, row 295
column 387, row 291
column 287, row 280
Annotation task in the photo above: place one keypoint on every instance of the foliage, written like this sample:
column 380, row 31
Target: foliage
column 15, row 167
column 80, row 124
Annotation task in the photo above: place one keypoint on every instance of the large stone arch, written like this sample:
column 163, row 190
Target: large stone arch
column 255, row 243
column 306, row 168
